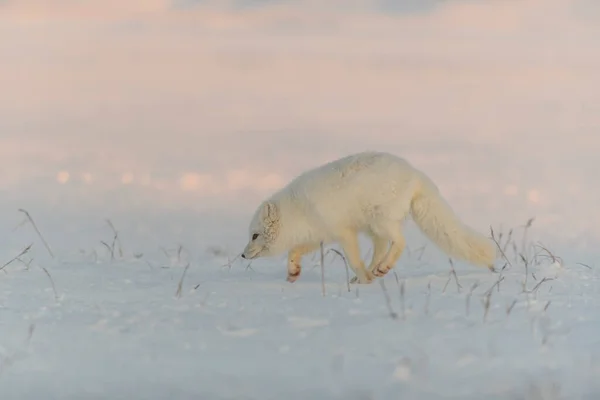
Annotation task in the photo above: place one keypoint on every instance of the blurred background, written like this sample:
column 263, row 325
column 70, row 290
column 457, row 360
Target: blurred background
column 176, row 117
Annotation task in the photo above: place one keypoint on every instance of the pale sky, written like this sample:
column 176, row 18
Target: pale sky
column 215, row 104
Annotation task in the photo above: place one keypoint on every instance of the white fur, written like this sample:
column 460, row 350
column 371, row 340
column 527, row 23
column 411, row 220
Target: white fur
column 369, row 192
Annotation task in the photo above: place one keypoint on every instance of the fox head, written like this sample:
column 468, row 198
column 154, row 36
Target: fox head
column 263, row 232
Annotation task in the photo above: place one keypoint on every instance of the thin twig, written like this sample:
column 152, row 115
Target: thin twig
column 179, row 250
column 345, row 265
column 428, row 299
column 509, row 308
column 526, row 262
column 230, row 261
column 453, row 271
column 524, row 241
column 110, row 250
column 450, row 275
column 553, row 257
column 584, row 265
column 180, row 285
column 508, row 239
column 402, row 289
column 52, row 282
column 500, row 279
column 536, row 287
column 499, row 247
column 37, row 230
column 22, row 253
column 322, row 270
column 468, row 299
column 388, row 302
column 487, row 301
column 116, row 237
column 26, row 264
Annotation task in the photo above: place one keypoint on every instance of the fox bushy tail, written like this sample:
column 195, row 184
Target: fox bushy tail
column 439, row 222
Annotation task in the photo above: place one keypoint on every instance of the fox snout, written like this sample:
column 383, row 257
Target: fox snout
column 255, row 249
column 250, row 252
column 248, row 256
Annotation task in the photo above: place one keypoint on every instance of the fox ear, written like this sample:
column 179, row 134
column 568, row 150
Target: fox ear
column 270, row 211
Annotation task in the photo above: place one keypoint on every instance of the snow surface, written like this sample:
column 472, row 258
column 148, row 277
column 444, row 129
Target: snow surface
column 119, row 329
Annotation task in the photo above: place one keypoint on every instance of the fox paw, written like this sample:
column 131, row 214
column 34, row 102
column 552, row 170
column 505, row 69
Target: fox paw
column 380, row 271
column 293, row 270
column 368, row 279
column 293, row 276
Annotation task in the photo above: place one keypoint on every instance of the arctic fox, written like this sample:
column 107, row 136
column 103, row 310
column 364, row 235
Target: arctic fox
column 368, row 192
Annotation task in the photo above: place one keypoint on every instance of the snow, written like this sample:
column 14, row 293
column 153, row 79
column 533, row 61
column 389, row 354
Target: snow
column 120, row 329
column 175, row 120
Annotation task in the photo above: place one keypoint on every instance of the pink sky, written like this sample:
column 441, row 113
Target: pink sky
column 497, row 101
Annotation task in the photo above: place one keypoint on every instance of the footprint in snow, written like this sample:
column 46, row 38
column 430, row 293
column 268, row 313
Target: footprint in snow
column 235, row 332
column 300, row 322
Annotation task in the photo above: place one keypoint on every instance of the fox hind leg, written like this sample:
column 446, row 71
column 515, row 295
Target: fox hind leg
column 380, row 246
column 394, row 234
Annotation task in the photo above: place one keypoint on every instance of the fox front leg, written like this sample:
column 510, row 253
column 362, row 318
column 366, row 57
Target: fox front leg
column 294, row 266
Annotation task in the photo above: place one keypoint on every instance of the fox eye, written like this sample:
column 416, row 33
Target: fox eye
column 254, row 236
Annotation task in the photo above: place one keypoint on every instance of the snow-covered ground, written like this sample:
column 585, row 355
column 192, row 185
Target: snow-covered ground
column 83, row 326
column 174, row 118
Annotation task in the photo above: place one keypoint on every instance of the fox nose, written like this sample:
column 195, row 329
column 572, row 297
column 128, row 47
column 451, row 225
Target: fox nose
column 243, row 255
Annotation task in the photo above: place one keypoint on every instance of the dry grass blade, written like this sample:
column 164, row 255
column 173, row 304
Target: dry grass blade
column 499, row 247
column 452, row 274
column 526, row 263
column 22, row 253
column 112, row 248
column 497, row 283
column 509, row 308
column 51, row 282
column 27, row 264
column 401, row 288
column 179, row 250
column 37, row 230
column 249, row 267
column 468, row 299
column 536, row 287
column 322, row 269
column 549, row 254
column 487, row 301
column 180, row 284
column 388, row 301
column 231, row 261
column 508, row 240
column 107, row 248
column 584, row 265
column 346, row 266
column 524, row 240
column 115, row 238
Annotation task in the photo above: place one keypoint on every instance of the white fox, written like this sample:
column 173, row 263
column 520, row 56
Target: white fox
column 369, row 192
